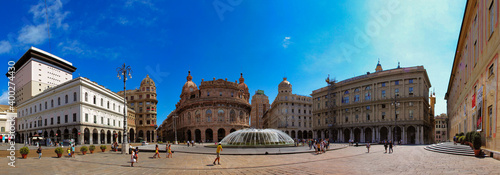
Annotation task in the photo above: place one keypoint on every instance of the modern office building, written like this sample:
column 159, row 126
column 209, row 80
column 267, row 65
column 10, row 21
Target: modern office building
column 37, row 71
column 384, row 105
column 472, row 94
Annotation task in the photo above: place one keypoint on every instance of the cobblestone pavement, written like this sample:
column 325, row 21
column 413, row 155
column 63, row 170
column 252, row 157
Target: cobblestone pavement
column 404, row 160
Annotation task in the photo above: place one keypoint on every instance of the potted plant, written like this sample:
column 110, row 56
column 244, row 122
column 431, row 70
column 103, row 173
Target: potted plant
column 103, row 148
column 476, row 139
column 84, row 149
column 58, row 151
column 91, row 148
column 24, row 152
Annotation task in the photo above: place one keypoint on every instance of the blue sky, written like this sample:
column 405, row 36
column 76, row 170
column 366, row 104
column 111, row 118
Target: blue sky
column 265, row 40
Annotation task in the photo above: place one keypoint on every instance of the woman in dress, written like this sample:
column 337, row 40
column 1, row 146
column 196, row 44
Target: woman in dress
column 169, row 151
column 133, row 159
column 157, row 152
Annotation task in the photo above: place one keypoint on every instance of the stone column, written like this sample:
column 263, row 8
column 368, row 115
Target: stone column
column 341, row 136
column 98, row 137
column 421, row 134
column 352, row 133
column 389, row 137
column 216, row 136
column 404, row 135
column 91, row 141
column 322, row 134
column 417, row 135
column 203, row 138
column 373, row 135
column 80, row 138
column 362, row 136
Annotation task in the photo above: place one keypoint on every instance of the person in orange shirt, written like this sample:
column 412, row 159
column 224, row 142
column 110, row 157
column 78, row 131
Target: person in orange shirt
column 219, row 149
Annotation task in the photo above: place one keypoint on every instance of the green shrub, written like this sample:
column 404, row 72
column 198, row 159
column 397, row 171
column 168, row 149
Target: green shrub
column 92, row 148
column 84, row 149
column 476, row 140
column 461, row 139
column 103, row 146
column 160, row 142
column 461, row 134
column 24, row 150
column 58, row 150
column 467, row 136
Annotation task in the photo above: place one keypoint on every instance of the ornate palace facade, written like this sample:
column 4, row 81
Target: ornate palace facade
column 143, row 102
column 290, row 113
column 209, row 113
column 362, row 108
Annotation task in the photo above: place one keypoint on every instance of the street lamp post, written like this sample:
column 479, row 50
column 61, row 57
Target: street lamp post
column 175, row 129
column 124, row 70
column 395, row 103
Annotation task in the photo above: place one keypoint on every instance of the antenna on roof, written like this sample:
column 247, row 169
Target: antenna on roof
column 48, row 26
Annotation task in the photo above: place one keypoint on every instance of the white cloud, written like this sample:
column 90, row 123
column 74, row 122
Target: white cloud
column 4, row 99
column 37, row 33
column 5, row 47
column 74, row 47
column 286, row 42
column 33, row 34
column 123, row 21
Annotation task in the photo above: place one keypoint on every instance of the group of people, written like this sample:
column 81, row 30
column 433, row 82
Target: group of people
column 190, row 142
column 388, row 144
column 71, row 151
column 320, row 146
column 168, row 150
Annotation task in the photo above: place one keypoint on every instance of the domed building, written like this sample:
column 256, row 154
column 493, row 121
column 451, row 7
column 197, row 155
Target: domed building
column 290, row 113
column 210, row 112
column 144, row 102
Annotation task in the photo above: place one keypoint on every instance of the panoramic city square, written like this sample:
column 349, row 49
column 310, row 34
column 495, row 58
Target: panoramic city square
column 250, row 87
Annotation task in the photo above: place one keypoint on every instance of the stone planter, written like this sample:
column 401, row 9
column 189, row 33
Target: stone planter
column 24, row 156
column 84, row 152
column 91, row 151
column 59, row 155
column 477, row 152
column 103, row 150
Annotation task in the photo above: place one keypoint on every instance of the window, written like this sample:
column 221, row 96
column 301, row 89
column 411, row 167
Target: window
column 232, row 94
column 58, row 119
column 383, row 93
column 221, row 115
column 346, row 92
column 383, row 84
column 346, row 100
column 356, row 90
column 208, row 114
column 299, row 124
column 108, row 104
column 58, row 101
column 51, row 103
column 45, row 105
column 86, row 117
column 367, row 116
column 114, row 121
column 492, row 17
column 102, row 120
column 208, row 94
column 45, row 122
column 356, row 117
column 51, row 121
column 86, row 97
column 319, row 122
column 74, row 117
column 95, row 119
column 65, row 118
column 367, row 96
column 102, row 102
column 383, row 105
column 383, row 115
column 410, row 90
column 140, row 122
column 66, row 99
column 411, row 114
column 367, row 107
column 490, row 114
column 220, row 93
column 346, row 119
column 367, row 88
column 491, row 70
column 94, row 100
column 411, row 81
column 356, row 98
column 293, row 123
column 74, row 96
column 396, row 92
column 108, row 122
column 410, row 103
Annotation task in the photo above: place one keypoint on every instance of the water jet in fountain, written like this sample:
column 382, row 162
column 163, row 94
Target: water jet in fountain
column 257, row 138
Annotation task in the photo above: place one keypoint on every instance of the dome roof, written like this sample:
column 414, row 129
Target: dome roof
column 242, row 84
column 147, row 81
column 189, row 86
column 285, row 85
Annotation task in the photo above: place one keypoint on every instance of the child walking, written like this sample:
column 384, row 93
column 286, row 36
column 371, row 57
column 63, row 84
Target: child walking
column 157, row 152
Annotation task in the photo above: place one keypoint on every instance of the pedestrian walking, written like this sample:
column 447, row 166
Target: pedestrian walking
column 390, row 146
column 368, row 147
column 73, row 151
column 39, row 151
column 137, row 154
column 157, row 152
column 385, row 146
column 169, row 151
column 69, row 152
column 133, row 159
column 219, row 149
